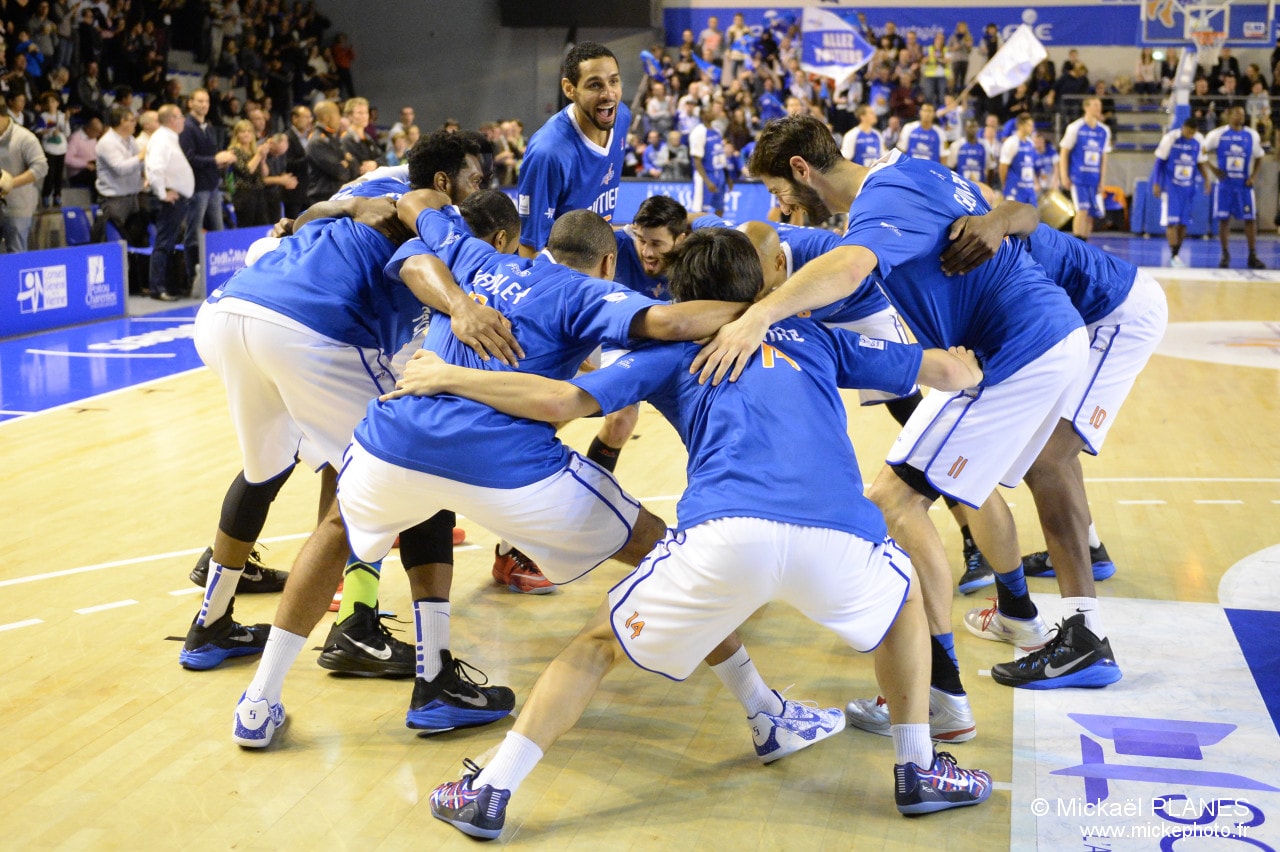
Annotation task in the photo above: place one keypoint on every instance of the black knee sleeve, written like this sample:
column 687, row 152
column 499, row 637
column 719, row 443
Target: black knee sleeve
column 902, row 409
column 917, row 480
column 430, row 542
column 244, row 509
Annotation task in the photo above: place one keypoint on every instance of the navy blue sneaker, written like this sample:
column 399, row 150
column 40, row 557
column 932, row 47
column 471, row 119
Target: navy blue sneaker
column 1073, row 657
column 978, row 573
column 942, row 786
column 476, row 813
column 210, row 646
column 455, row 699
column 1039, row 564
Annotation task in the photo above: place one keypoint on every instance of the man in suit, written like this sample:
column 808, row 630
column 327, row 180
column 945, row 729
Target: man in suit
column 300, row 121
column 330, row 165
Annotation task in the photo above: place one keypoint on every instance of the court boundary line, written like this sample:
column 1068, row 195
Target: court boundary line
column 81, row 402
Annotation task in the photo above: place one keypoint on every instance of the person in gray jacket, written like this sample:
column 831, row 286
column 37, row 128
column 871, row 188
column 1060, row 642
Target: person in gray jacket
column 23, row 166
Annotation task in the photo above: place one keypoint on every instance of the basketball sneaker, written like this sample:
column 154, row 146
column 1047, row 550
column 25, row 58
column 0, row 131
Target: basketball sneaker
column 1255, row 262
column 1224, row 262
column 1027, row 634
column 519, row 573
column 362, row 645
column 1177, row 262
column 1075, row 656
column 256, row 579
column 455, row 699
column 977, row 571
column 477, row 813
column 800, row 724
column 256, row 722
column 950, row 718
column 942, row 786
column 210, row 646
column 1039, row 564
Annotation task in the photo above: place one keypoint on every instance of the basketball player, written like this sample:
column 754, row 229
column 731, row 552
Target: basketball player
column 1082, row 166
column 753, row 528
column 1179, row 156
column 1235, row 155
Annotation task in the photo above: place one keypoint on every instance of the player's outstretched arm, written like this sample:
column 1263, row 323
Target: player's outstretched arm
column 480, row 327
column 411, row 205
column 377, row 213
column 953, row 369
column 822, row 281
column 518, row 394
column 976, row 239
column 695, row 320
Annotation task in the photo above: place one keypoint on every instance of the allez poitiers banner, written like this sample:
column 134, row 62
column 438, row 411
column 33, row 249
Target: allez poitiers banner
column 832, row 47
column 47, row 289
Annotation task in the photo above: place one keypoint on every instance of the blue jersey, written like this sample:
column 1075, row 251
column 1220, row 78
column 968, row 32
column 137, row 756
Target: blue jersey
column 922, row 143
column 773, row 444
column 1006, row 310
column 801, row 245
column 971, row 161
column 562, row 170
column 707, row 146
column 1087, row 145
column 387, row 186
column 630, row 271
column 559, row 317
column 1097, row 282
column 1020, row 181
column 1178, row 160
column 1235, row 150
column 1046, row 164
column 863, row 147
column 328, row 277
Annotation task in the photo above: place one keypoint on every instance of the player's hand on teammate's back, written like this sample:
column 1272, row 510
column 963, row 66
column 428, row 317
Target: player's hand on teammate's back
column 971, row 361
column 380, row 214
column 282, row 228
column 422, row 376
column 730, row 350
column 488, row 333
column 974, row 241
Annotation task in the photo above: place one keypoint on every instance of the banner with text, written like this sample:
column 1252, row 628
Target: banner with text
column 222, row 253
column 746, row 201
column 64, row 286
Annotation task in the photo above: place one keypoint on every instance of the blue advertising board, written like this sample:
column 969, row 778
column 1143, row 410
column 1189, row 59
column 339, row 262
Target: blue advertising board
column 746, row 201
column 40, row 290
column 222, row 253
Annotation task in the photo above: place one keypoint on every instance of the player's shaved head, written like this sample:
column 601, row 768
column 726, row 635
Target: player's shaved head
column 580, row 239
column 488, row 211
column 768, row 249
column 714, row 263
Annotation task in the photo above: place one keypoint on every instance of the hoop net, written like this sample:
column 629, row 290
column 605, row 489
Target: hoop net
column 1208, row 45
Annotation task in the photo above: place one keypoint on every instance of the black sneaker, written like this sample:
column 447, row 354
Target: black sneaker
column 256, row 579
column 1225, row 262
column 1255, row 262
column 1039, row 564
column 977, row 571
column 209, row 646
column 477, row 813
column 362, row 645
column 455, row 699
column 1074, row 657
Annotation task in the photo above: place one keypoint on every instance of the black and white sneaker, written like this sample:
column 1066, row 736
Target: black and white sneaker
column 256, row 579
column 362, row 645
column 1073, row 657
column 456, row 699
column 209, row 646
column 1039, row 564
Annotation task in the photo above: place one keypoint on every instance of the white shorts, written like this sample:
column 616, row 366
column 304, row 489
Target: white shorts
column 292, row 392
column 1120, row 345
column 568, row 523
column 699, row 585
column 966, row 443
column 882, row 325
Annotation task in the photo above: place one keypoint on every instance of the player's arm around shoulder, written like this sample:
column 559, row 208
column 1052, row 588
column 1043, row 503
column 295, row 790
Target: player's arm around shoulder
column 976, row 239
column 694, row 320
column 517, row 394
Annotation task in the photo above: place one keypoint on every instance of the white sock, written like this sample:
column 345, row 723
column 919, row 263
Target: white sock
column 739, row 675
column 1094, row 541
column 431, row 621
column 504, row 547
column 1092, row 615
column 282, row 649
column 911, row 744
column 219, row 591
column 514, row 761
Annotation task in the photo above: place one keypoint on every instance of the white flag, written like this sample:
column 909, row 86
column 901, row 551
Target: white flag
column 1013, row 62
column 831, row 46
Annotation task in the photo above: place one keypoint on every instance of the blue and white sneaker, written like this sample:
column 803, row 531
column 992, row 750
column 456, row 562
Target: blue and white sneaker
column 457, row 699
column 477, row 813
column 942, row 786
column 1039, row 564
column 256, row 722
column 1074, row 657
column 1026, row 634
column 212, row 645
column 800, row 724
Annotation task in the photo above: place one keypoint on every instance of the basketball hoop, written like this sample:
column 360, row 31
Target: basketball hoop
column 1208, row 45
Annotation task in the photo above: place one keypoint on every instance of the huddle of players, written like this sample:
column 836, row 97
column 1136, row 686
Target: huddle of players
column 402, row 474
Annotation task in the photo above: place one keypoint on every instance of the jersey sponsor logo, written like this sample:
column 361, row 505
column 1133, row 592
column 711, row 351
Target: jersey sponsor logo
column 635, row 624
column 551, row 213
column 870, row 342
column 42, row 288
column 893, row 228
column 522, row 205
column 957, row 467
column 608, row 176
column 606, row 202
column 615, row 297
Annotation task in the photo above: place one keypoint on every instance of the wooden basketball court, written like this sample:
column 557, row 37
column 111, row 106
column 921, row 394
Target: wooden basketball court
column 108, row 743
